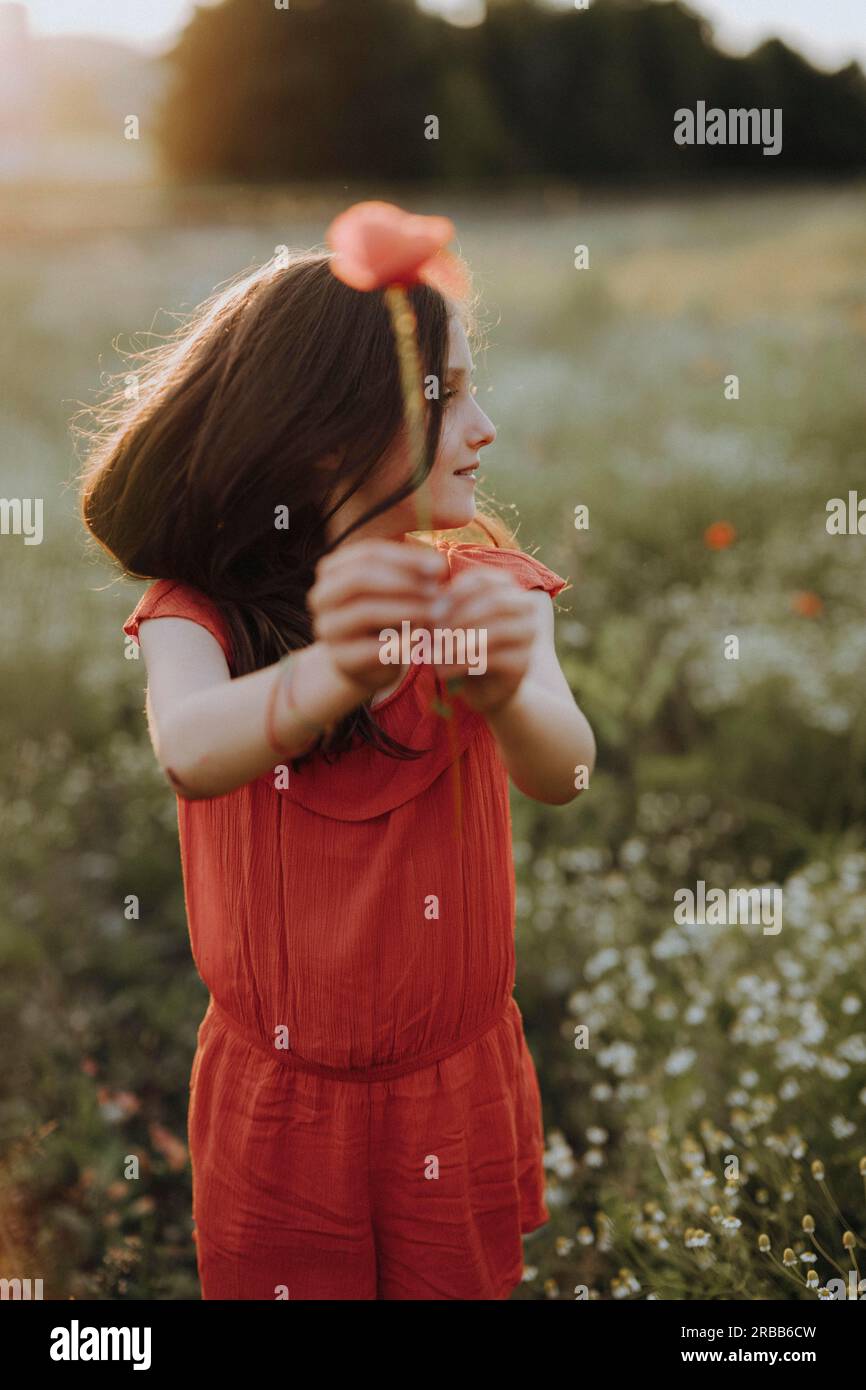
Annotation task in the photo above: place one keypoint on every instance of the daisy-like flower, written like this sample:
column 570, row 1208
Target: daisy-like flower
column 680, row 1060
column 695, row 1238
column 559, row 1155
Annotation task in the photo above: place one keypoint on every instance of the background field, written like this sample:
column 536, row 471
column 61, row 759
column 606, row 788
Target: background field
column 606, row 386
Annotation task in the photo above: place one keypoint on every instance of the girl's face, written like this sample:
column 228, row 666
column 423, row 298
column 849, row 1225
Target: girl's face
column 466, row 430
column 448, row 494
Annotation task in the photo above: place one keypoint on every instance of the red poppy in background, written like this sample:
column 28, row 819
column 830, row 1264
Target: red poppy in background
column 807, row 604
column 720, row 535
column 168, row 1144
column 377, row 244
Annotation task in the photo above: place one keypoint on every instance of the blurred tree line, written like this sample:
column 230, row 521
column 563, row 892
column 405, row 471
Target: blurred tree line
column 343, row 88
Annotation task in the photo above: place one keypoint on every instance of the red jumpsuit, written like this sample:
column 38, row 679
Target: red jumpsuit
column 364, row 1119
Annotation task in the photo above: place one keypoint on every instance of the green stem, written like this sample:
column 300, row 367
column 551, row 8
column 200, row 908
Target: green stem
column 827, row 1257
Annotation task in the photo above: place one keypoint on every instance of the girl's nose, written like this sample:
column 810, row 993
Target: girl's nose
column 486, row 432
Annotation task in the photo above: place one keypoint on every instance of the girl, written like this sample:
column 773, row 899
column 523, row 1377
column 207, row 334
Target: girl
column 364, row 1118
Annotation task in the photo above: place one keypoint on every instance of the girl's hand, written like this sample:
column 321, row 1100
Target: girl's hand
column 364, row 586
column 502, row 615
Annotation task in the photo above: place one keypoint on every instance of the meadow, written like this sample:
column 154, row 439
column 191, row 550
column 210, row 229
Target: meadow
column 704, row 1086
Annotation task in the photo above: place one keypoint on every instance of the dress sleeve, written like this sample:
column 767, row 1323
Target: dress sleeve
column 529, row 572
column 168, row 599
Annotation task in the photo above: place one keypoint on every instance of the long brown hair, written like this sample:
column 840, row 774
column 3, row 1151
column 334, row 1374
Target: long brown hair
column 226, row 421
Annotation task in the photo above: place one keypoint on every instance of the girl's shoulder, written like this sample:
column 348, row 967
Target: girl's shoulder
column 168, row 598
column 529, row 572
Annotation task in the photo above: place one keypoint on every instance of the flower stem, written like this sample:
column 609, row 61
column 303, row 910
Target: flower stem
column 405, row 325
column 827, row 1257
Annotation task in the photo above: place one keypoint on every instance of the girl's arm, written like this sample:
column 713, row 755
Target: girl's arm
column 209, row 730
column 542, row 734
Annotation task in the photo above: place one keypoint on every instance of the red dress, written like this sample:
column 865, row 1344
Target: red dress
column 365, row 1118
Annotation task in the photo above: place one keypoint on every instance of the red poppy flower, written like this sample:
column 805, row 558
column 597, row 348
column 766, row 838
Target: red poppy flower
column 720, row 535
column 377, row 244
column 807, row 604
column 173, row 1149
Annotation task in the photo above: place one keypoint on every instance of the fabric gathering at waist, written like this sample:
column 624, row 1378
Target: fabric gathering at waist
column 379, row 1072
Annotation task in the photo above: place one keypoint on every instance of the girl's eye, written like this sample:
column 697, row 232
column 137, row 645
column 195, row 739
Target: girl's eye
column 446, row 395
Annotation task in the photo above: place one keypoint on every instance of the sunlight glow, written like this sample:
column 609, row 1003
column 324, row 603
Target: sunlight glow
column 830, row 32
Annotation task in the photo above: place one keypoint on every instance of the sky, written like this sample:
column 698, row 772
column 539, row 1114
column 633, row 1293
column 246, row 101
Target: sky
column 830, row 32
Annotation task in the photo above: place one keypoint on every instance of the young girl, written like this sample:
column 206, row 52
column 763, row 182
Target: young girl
column 365, row 1118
